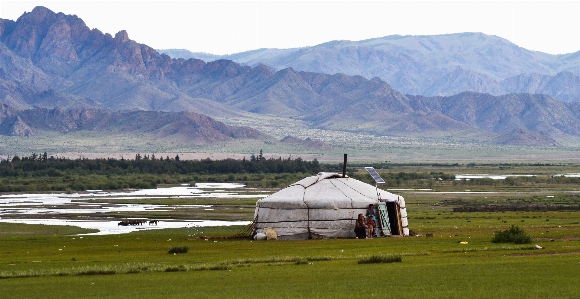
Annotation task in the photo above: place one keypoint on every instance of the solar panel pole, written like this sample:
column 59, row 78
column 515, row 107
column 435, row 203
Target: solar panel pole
column 382, row 208
column 378, row 180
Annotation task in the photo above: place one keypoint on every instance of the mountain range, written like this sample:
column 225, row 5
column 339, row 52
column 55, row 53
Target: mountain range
column 57, row 74
column 438, row 65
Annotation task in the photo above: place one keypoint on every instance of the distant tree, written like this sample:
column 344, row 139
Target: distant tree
column 177, row 157
column 315, row 165
column 260, row 156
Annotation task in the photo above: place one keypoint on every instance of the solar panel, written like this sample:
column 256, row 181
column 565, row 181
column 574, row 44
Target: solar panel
column 375, row 175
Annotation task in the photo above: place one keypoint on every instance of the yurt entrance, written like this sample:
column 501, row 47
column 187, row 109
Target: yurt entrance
column 390, row 215
column 393, row 213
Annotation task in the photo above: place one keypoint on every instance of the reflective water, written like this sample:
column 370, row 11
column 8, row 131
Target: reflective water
column 489, row 176
column 112, row 227
column 570, row 175
column 52, row 208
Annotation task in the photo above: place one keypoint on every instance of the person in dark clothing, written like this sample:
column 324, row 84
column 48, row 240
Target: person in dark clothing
column 360, row 228
column 371, row 212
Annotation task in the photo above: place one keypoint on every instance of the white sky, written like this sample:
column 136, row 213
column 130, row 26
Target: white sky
column 226, row 27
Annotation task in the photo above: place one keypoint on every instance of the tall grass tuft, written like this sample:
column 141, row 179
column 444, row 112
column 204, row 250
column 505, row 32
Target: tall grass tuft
column 376, row 259
column 178, row 249
column 96, row 272
column 111, row 270
column 320, row 258
column 180, row 268
column 282, row 259
column 512, row 235
column 301, row 262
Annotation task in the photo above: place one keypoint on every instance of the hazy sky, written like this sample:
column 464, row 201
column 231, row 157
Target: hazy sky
column 225, row 27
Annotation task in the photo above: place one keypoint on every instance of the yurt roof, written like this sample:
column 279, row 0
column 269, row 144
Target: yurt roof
column 326, row 190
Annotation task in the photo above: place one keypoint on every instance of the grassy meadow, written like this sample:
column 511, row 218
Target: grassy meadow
column 51, row 262
column 453, row 256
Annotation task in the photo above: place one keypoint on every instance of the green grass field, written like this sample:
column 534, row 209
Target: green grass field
column 458, row 261
column 52, row 262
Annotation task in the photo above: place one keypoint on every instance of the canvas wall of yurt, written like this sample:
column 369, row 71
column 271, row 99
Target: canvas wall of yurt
column 324, row 206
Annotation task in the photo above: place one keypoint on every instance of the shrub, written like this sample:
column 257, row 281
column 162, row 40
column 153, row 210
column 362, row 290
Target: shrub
column 301, row 262
column 375, row 259
column 180, row 268
column 514, row 235
column 95, row 272
column 178, row 249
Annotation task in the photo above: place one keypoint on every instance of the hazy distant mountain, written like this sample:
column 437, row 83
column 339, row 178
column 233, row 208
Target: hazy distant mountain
column 526, row 138
column 501, row 114
column 187, row 127
column 431, row 65
column 100, row 82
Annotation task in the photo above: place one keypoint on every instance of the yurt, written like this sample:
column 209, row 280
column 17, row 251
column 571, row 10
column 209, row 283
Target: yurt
column 326, row 206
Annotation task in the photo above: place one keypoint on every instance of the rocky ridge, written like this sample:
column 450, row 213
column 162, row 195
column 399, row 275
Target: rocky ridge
column 54, row 62
column 308, row 143
column 188, row 127
column 524, row 137
column 436, row 65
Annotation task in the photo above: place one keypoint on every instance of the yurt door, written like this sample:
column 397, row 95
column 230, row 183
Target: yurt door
column 384, row 215
column 393, row 217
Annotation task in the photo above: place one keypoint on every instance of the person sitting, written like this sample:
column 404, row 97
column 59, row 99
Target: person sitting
column 373, row 215
column 370, row 227
column 360, row 227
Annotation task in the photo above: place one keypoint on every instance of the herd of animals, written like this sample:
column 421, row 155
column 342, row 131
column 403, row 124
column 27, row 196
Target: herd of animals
column 137, row 222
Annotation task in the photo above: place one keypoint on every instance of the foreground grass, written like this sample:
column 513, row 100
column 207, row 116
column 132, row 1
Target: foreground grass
column 458, row 261
column 51, row 265
column 420, row 277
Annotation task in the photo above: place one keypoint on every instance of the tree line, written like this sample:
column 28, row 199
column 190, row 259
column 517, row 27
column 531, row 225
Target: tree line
column 40, row 172
column 42, row 165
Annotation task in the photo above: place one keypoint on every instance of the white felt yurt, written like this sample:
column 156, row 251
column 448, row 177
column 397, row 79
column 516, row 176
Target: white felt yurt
column 324, row 206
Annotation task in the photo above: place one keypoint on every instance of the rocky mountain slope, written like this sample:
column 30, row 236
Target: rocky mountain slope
column 440, row 65
column 188, row 127
column 50, row 59
column 101, row 82
column 526, row 138
column 308, row 143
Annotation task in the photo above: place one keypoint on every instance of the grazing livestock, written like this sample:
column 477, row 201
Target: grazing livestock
column 151, row 222
column 131, row 222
